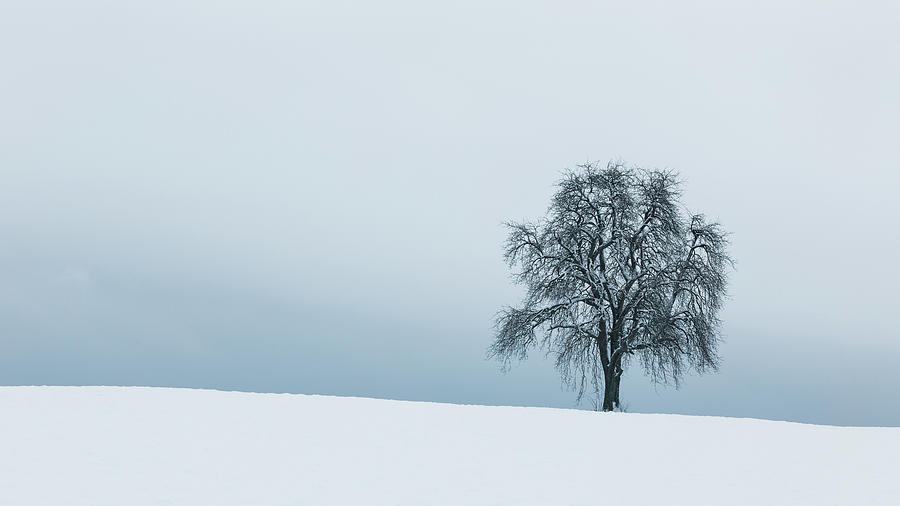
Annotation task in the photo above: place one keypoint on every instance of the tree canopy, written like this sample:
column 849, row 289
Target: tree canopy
column 616, row 271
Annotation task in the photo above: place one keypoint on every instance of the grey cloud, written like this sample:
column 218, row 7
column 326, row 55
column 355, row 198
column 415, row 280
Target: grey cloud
column 308, row 197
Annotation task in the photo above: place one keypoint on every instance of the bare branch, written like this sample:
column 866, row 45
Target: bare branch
column 616, row 270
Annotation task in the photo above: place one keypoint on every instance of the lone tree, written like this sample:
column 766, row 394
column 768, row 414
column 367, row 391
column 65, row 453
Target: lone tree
column 617, row 271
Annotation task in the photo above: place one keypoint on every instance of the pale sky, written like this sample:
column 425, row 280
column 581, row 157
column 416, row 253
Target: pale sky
column 308, row 196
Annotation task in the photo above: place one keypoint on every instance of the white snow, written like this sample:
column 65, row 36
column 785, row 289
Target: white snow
column 157, row 446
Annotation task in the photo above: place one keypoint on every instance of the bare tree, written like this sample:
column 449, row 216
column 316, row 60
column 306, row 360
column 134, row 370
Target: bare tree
column 616, row 272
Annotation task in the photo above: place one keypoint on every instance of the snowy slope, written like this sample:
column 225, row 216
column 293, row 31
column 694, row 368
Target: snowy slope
column 152, row 446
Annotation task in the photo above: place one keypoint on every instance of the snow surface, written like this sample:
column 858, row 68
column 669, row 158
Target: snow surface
column 158, row 446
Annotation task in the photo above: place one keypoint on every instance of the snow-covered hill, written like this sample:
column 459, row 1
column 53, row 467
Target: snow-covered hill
column 155, row 446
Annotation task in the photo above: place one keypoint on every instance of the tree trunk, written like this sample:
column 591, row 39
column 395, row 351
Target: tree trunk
column 616, row 382
column 611, row 390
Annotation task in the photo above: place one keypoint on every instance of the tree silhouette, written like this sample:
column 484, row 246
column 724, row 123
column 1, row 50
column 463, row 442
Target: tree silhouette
column 616, row 271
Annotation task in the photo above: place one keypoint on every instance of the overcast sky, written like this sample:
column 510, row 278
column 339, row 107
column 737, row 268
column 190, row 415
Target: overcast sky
column 308, row 196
